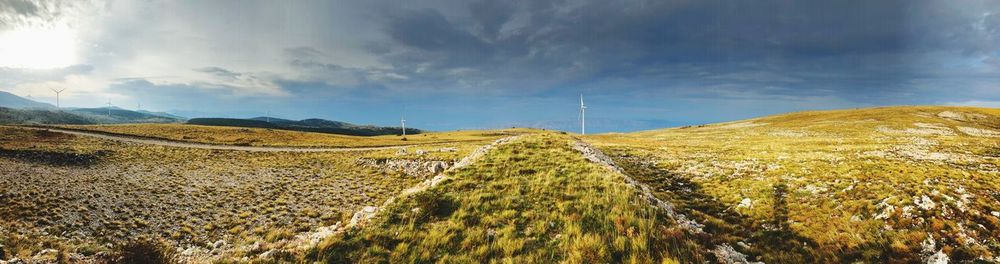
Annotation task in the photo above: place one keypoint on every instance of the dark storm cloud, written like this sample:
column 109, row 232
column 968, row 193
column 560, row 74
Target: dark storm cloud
column 486, row 63
column 855, row 49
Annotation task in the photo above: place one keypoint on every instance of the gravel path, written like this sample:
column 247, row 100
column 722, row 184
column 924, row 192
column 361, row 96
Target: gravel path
column 181, row 144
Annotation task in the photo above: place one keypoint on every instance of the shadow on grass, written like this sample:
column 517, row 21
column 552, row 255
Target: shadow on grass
column 771, row 240
column 54, row 158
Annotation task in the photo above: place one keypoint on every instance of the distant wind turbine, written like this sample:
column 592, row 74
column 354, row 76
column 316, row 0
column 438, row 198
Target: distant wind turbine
column 57, row 95
column 583, row 117
column 109, row 107
column 402, row 122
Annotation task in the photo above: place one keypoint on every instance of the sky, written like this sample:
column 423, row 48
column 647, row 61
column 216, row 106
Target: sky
column 449, row 65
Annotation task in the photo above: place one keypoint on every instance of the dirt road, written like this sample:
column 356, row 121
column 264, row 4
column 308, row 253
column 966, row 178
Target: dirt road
column 181, row 144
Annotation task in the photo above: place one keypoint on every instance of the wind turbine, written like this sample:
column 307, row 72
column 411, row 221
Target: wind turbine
column 57, row 95
column 109, row 107
column 402, row 122
column 583, row 117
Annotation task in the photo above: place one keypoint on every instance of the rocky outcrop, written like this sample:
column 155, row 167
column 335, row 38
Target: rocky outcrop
column 416, row 168
column 727, row 254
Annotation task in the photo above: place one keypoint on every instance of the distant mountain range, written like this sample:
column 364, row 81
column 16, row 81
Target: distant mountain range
column 306, row 125
column 19, row 110
column 13, row 101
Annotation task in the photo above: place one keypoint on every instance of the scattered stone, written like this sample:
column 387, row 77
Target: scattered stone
column 437, row 167
column 267, row 254
column 363, row 215
column 952, row 115
column 193, row 251
column 995, row 213
column 938, row 258
column 448, row 149
column 727, row 254
column 421, row 152
column 219, row 244
column 46, row 254
column 409, row 167
column 886, row 209
column 813, row 189
column 979, row 132
column 928, row 245
column 745, row 203
column 924, row 203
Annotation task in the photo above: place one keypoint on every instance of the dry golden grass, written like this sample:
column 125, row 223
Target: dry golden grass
column 867, row 184
column 79, row 193
column 274, row 137
column 534, row 200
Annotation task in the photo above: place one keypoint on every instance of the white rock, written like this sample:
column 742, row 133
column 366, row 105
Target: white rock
column 449, row 149
column 267, row 254
column 928, row 245
column 995, row 213
column 952, row 115
column 924, row 203
column 938, row 258
column 46, row 253
column 726, row 254
column 745, row 203
column 365, row 213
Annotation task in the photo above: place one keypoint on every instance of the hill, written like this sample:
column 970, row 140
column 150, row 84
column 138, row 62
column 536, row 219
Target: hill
column 307, row 125
column 116, row 115
column 80, row 116
column 40, row 116
column 10, row 100
column 906, row 184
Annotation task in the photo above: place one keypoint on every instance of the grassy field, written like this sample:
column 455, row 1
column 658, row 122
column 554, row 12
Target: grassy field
column 81, row 195
column 535, row 200
column 879, row 185
column 896, row 184
column 274, row 137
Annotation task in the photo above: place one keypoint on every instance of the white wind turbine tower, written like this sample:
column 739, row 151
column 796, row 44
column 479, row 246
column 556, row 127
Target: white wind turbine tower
column 109, row 107
column 57, row 95
column 583, row 117
column 402, row 122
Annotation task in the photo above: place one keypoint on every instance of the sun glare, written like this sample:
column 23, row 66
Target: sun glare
column 38, row 48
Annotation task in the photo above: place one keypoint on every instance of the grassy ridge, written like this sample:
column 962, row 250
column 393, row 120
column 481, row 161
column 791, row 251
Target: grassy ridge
column 535, row 200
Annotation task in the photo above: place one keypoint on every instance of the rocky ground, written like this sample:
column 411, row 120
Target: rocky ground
column 79, row 196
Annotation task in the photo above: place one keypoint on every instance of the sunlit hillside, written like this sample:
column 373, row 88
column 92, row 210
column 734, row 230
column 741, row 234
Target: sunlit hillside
column 897, row 184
